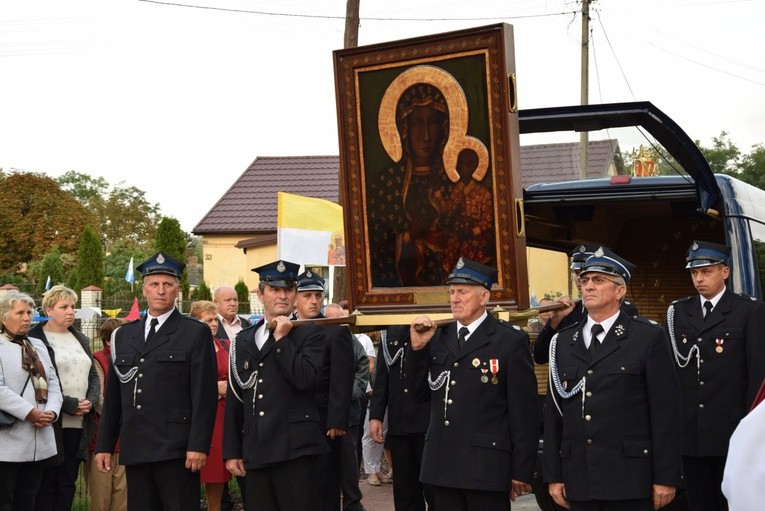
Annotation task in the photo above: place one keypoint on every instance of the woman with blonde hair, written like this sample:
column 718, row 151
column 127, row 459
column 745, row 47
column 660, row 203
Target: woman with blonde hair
column 214, row 474
column 69, row 350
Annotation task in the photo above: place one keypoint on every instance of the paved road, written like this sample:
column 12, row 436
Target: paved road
column 380, row 498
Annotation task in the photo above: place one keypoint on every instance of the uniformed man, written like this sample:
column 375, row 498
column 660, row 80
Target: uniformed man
column 401, row 389
column 717, row 341
column 481, row 446
column 612, row 417
column 575, row 310
column 161, row 397
column 333, row 396
column 271, row 429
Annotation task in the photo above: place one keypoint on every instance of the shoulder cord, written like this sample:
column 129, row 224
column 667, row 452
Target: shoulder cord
column 443, row 378
column 389, row 361
column 252, row 381
column 556, row 383
column 123, row 377
column 682, row 360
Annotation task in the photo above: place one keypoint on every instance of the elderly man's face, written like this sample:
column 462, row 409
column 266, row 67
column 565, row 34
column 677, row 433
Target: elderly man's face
column 227, row 302
column 468, row 302
column 601, row 292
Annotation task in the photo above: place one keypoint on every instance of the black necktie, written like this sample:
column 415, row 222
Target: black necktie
column 462, row 338
column 154, row 323
column 707, row 309
column 596, row 329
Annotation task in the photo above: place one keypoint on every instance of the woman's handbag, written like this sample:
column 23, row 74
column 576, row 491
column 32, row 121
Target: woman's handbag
column 6, row 419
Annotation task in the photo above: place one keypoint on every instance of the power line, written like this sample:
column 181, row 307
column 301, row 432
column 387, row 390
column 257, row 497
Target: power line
column 600, row 22
column 708, row 66
column 363, row 18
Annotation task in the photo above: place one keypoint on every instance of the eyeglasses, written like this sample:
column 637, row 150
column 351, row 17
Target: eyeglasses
column 598, row 280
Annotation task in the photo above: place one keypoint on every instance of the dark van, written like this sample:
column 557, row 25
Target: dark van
column 651, row 221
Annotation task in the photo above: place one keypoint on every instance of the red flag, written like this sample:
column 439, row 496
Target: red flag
column 134, row 313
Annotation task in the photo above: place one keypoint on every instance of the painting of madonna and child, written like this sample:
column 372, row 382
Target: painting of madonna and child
column 432, row 152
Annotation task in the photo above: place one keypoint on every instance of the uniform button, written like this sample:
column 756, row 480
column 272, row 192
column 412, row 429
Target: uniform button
column 454, row 382
column 278, row 350
column 589, row 371
column 589, row 394
column 260, row 396
column 587, row 417
column 171, row 356
column 142, row 360
column 140, row 375
column 701, row 383
column 138, row 407
column 701, row 361
column 698, row 340
column 589, row 441
column 406, row 390
column 645, row 451
column 446, row 423
column 262, row 414
column 456, row 364
column 449, row 402
column 139, row 391
column 261, row 364
column 260, row 380
column 395, row 343
column 622, row 368
column 701, row 405
column 494, row 444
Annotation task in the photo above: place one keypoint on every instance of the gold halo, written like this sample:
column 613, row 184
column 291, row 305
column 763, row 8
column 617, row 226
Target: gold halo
column 458, row 118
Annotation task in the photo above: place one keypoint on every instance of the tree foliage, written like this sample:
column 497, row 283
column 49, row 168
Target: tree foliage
column 90, row 261
column 35, row 215
column 243, row 295
column 172, row 240
column 51, row 267
column 125, row 215
column 202, row 292
column 726, row 158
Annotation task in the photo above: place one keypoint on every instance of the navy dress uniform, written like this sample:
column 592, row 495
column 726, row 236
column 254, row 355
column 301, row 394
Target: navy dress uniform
column 484, row 415
column 160, row 402
column 272, row 422
column 579, row 256
column 612, row 418
column 333, row 395
column 401, row 388
column 720, row 361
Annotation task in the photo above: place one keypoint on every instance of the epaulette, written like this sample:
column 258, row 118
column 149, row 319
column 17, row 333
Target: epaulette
column 567, row 327
column 642, row 319
column 509, row 324
column 685, row 299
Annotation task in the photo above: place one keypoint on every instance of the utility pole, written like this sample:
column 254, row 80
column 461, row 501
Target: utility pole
column 351, row 40
column 585, row 87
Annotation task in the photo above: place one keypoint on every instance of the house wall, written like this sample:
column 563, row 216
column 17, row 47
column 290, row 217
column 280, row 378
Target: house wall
column 224, row 264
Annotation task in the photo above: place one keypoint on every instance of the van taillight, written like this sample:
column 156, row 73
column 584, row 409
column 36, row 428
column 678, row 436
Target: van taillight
column 621, row 180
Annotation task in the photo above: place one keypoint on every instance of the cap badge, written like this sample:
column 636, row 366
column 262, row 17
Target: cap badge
column 307, row 274
column 460, row 264
column 160, row 258
column 280, row 267
column 582, row 249
column 695, row 246
column 599, row 252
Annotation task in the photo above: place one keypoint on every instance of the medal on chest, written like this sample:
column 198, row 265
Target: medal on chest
column 719, row 342
column 494, row 367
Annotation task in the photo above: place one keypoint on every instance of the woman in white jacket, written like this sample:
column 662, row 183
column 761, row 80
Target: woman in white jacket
column 30, row 392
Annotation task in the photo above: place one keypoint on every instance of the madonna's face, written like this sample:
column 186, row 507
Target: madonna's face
column 425, row 134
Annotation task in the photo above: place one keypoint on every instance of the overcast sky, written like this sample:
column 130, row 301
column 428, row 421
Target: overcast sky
column 179, row 100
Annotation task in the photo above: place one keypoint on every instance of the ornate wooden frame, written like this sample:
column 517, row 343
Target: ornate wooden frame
column 474, row 71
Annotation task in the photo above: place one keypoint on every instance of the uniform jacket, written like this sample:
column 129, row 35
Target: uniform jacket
column 489, row 434
column 402, row 387
column 22, row 441
column 277, row 419
column 627, row 438
column 335, row 379
column 70, row 403
column 168, row 407
column 717, row 395
column 542, row 343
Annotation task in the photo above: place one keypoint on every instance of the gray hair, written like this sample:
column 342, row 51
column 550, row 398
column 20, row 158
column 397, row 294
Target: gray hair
column 8, row 301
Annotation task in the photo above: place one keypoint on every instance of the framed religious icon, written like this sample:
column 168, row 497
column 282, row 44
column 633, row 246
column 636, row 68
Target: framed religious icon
column 430, row 167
